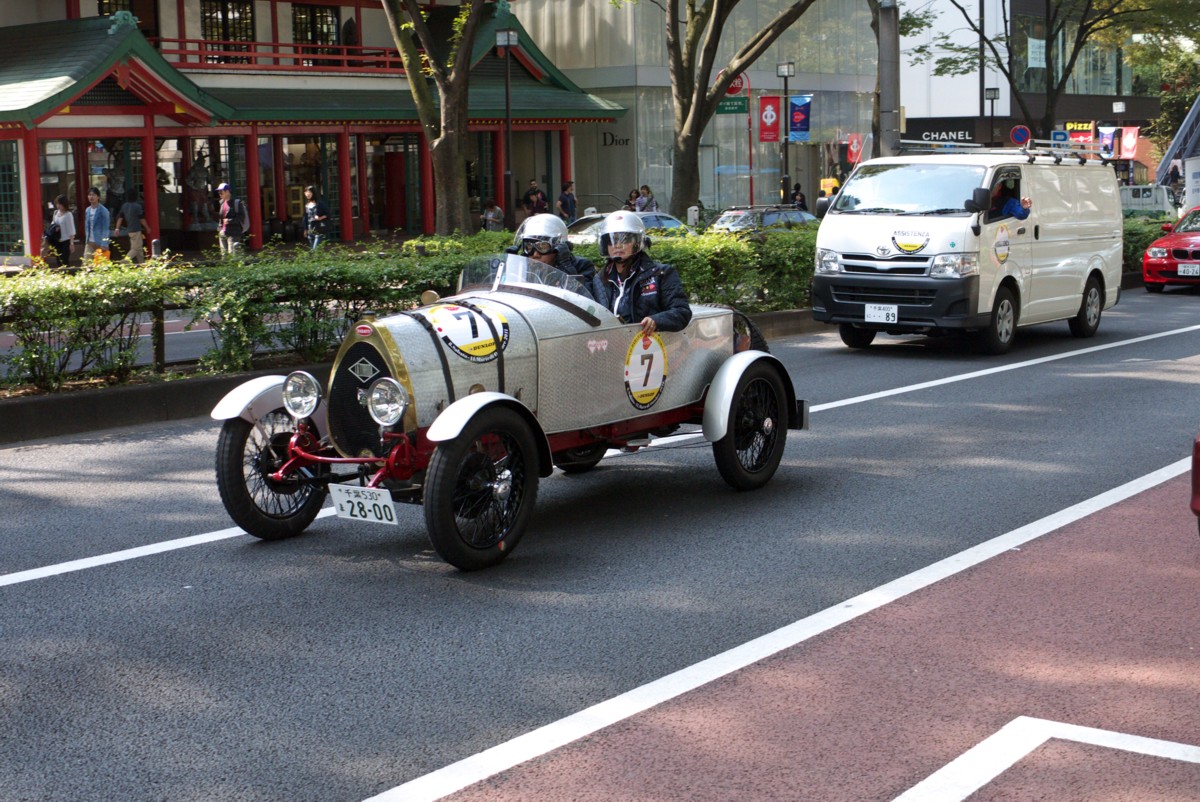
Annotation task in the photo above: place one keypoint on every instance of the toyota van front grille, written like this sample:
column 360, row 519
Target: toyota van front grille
column 916, row 296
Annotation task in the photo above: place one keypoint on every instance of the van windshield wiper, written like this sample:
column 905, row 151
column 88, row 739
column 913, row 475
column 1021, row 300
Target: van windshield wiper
column 955, row 210
column 873, row 210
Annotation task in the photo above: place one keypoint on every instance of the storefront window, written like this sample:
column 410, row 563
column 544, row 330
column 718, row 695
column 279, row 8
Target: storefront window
column 1099, row 69
column 313, row 26
column 56, row 163
column 10, row 201
column 106, row 8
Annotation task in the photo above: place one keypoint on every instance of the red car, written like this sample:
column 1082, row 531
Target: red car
column 1175, row 258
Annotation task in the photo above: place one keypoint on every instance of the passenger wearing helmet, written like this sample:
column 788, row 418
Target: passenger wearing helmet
column 632, row 285
column 544, row 237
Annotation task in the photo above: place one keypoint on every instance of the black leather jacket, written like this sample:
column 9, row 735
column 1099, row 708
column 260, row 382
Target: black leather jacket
column 651, row 290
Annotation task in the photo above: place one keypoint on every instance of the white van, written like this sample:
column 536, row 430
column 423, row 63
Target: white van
column 914, row 245
column 1150, row 199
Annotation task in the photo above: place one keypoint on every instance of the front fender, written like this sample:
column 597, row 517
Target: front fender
column 724, row 385
column 455, row 417
column 257, row 397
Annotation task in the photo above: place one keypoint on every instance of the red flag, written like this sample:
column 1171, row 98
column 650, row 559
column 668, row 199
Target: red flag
column 768, row 119
column 1129, row 143
column 854, row 150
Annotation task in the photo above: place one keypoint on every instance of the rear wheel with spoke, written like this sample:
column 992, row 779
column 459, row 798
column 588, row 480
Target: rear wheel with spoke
column 749, row 453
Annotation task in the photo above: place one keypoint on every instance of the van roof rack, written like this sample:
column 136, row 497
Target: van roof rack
column 1035, row 148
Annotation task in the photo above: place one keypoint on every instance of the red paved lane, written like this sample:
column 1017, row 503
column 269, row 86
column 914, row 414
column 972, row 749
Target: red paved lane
column 1096, row 625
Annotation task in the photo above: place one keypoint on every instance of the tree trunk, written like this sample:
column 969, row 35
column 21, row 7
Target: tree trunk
column 450, row 167
column 685, row 187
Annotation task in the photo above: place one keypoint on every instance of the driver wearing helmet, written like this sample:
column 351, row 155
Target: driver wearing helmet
column 634, row 286
column 544, row 237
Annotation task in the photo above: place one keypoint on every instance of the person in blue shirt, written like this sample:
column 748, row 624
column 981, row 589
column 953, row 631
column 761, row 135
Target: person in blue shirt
column 1006, row 204
column 96, row 227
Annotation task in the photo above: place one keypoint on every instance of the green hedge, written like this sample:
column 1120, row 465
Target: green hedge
column 300, row 303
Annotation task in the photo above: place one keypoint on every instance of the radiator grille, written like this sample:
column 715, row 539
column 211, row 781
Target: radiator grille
column 884, row 295
column 350, row 425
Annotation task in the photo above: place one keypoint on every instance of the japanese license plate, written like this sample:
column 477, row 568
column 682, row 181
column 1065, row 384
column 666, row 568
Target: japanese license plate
column 1189, row 270
column 363, row 504
column 882, row 313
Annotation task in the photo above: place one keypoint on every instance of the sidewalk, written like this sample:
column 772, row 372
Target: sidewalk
column 1071, row 665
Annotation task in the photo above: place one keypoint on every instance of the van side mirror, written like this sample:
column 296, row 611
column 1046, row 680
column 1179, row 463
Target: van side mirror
column 822, row 207
column 980, row 200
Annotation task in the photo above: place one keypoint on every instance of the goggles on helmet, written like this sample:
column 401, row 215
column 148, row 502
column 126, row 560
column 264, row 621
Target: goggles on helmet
column 528, row 246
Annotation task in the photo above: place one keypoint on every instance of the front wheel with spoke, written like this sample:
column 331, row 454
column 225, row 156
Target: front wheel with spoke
column 480, row 489
column 247, row 455
column 749, row 453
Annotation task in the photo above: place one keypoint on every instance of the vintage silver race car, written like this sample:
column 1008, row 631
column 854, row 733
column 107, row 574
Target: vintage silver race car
column 463, row 404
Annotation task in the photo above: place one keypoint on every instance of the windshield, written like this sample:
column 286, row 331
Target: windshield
column 734, row 221
column 492, row 272
column 910, row 189
column 584, row 224
column 1190, row 222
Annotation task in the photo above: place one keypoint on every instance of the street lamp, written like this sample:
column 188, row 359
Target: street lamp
column 1119, row 134
column 991, row 93
column 785, row 70
column 507, row 38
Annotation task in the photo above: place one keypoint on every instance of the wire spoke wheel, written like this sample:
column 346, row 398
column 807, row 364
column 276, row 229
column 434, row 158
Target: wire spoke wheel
column 481, row 488
column 749, row 453
column 247, row 455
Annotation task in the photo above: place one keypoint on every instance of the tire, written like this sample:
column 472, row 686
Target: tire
column 749, row 453
column 580, row 460
column 997, row 338
column 1155, row 288
column 855, row 337
column 480, row 490
column 1087, row 319
column 246, row 455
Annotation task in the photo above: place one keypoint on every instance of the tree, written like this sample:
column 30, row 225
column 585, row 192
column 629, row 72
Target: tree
column 444, row 122
column 1068, row 26
column 694, row 32
column 1175, row 69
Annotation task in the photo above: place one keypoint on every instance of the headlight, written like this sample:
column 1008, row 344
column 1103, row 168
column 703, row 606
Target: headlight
column 954, row 265
column 1156, row 253
column 827, row 261
column 387, row 402
column 301, row 394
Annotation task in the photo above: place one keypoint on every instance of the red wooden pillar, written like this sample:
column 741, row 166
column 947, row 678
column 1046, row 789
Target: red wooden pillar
column 346, row 197
column 31, row 176
column 427, row 199
column 150, row 183
column 364, row 200
column 564, row 153
column 280, row 185
column 254, row 190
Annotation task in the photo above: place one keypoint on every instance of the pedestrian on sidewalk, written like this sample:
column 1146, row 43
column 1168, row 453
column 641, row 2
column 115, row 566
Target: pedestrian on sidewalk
column 132, row 216
column 235, row 221
column 96, row 228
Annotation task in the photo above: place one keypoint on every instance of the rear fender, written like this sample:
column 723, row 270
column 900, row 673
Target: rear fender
column 721, row 394
column 253, row 399
column 455, row 417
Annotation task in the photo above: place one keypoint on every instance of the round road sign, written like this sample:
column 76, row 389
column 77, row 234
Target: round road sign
column 737, row 86
column 1020, row 134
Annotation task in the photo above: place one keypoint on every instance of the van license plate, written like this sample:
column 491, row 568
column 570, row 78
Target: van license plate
column 882, row 313
column 1189, row 270
column 363, row 504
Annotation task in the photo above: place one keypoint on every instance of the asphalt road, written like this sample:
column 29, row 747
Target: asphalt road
column 349, row 661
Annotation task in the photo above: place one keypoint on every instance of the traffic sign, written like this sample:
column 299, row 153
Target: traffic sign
column 1059, row 138
column 735, row 88
column 1020, row 134
column 733, row 105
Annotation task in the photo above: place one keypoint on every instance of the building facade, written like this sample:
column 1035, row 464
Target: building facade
column 165, row 99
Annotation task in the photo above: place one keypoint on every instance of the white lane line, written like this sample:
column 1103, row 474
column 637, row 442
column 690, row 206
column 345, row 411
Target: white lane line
column 991, row 757
column 501, row 757
column 128, row 554
column 999, row 369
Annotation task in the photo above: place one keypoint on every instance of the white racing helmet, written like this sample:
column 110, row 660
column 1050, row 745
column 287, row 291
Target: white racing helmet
column 625, row 226
column 543, row 232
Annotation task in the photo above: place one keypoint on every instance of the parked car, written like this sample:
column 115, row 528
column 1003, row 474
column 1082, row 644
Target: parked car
column 586, row 230
column 757, row 218
column 464, row 404
column 1175, row 258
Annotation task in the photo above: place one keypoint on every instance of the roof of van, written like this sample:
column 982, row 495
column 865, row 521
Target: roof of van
column 988, row 158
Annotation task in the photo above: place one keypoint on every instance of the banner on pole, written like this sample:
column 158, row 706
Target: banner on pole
column 1118, row 143
column 854, row 148
column 768, row 119
column 799, row 114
